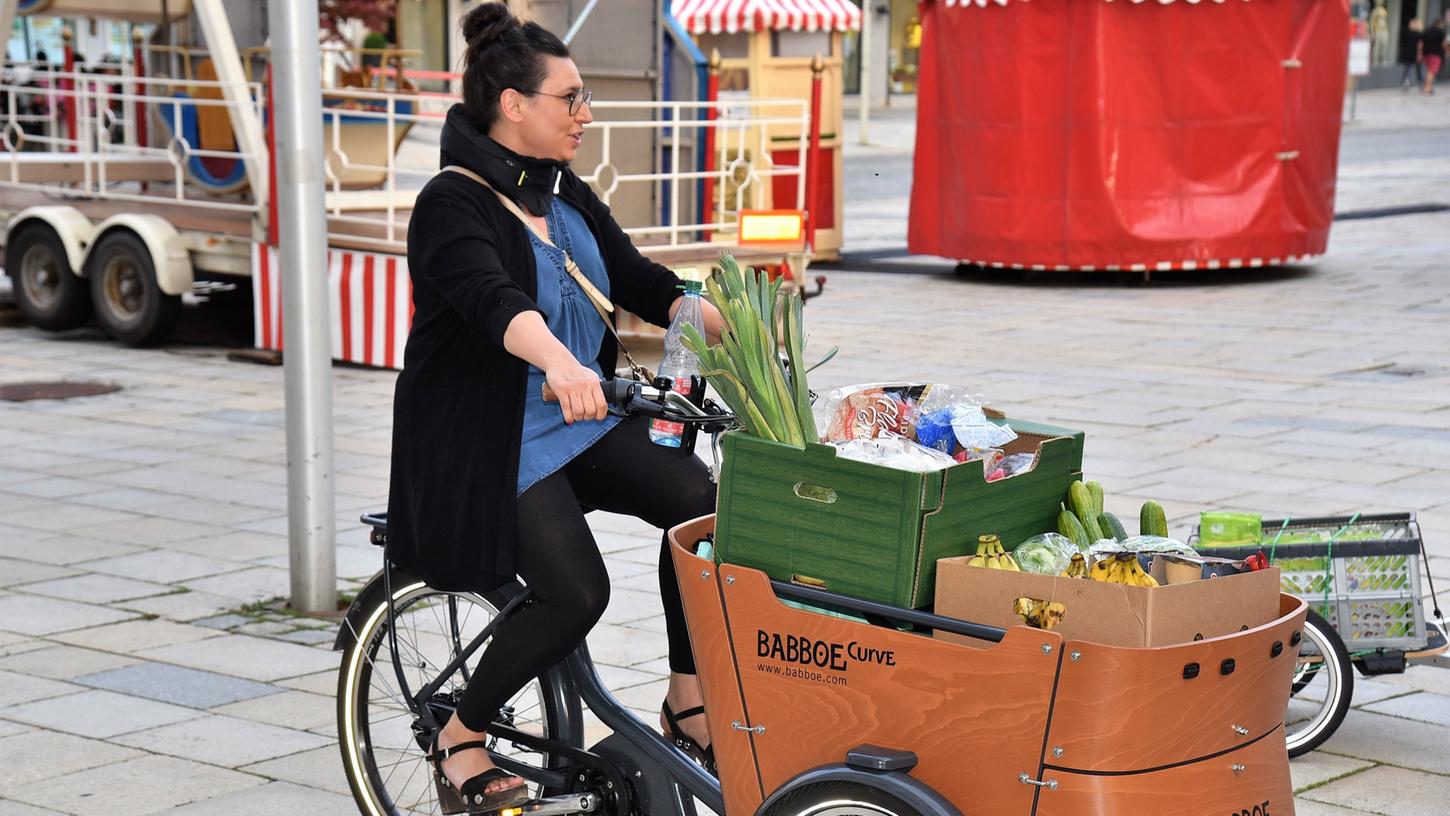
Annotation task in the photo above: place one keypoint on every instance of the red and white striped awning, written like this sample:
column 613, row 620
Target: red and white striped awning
column 985, row 3
column 732, row 16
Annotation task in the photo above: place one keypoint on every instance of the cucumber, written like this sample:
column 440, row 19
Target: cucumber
column 1069, row 525
column 1095, row 489
column 1112, row 526
column 1081, row 503
column 1152, row 520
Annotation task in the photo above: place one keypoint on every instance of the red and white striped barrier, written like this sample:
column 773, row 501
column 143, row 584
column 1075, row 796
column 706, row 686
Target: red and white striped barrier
column 370, row 303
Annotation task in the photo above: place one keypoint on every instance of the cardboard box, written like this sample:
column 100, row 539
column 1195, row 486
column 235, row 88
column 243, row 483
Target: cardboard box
column 1111, row 614
column 867, row 531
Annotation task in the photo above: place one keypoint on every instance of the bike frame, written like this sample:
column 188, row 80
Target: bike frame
column 573, row 680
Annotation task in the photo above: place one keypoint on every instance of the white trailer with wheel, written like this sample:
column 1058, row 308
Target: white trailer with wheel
column 99, row 204
column 120, row 192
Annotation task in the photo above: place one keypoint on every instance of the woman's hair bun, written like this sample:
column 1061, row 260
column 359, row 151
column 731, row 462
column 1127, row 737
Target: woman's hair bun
column 503, row 52
column 487, row 23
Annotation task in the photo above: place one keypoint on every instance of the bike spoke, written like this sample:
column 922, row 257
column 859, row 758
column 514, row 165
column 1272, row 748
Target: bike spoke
column 374, row 671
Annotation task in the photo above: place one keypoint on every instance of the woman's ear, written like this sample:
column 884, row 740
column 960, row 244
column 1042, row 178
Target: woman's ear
column 511, row 104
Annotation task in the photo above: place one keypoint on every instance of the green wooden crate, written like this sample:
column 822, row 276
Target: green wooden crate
column 874, row 532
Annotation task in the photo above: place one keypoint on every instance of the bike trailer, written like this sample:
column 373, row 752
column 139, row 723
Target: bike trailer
column 1029, row 724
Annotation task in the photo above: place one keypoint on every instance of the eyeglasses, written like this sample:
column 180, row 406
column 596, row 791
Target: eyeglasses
column 576, row 99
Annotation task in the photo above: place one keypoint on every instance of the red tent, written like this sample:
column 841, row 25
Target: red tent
column 1092, row 134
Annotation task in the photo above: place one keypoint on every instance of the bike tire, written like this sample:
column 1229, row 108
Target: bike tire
column 383, row 753
column 838, row 798
column 1325, row 715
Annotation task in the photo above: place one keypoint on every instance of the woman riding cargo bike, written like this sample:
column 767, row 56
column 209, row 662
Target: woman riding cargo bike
column 516, row 265
column 462, row 690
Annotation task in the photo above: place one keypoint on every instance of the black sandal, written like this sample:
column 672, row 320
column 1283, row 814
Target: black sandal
column 705, row 755
column 473, row 797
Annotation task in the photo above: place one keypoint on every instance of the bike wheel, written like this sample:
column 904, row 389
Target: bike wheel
column 838, row 799
column 1323, row 687
column 383, row 743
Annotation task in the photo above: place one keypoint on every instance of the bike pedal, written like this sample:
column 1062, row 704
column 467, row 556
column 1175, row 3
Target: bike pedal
column 555, row 806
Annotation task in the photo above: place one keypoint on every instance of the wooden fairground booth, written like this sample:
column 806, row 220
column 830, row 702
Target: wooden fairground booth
column 777, row 49
column 1141, row 136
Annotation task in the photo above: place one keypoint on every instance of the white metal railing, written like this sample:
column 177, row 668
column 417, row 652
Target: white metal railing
column 381, row 147
column 373, row 196
column 103, row 156
column 370, row 190
column 744, row 159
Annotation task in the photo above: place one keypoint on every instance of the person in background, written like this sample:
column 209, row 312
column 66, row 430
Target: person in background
column 1432, row 50
column 1410, row 54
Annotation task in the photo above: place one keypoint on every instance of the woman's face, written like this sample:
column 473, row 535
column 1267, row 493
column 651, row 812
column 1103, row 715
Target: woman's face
column 546, row 129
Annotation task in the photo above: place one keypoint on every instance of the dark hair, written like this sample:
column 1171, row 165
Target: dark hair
column 503, row 52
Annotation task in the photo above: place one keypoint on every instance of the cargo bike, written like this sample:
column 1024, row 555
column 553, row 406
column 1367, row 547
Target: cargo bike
column 1361, row 578
column 831, row 705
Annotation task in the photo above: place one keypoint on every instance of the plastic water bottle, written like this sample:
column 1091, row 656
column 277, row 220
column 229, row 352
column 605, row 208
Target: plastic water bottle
column 679, row 363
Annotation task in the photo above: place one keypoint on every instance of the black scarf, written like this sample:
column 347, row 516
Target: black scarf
column 530, row 182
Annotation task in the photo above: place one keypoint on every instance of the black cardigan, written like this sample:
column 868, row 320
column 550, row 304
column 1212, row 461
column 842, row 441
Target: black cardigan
column 459, row 403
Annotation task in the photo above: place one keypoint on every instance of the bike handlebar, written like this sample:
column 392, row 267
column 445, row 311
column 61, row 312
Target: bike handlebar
column 627, row 397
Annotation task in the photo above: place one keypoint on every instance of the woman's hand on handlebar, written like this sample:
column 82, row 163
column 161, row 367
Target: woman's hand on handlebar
column 577, row 389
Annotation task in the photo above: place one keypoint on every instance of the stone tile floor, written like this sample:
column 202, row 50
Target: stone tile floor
column 142, row 669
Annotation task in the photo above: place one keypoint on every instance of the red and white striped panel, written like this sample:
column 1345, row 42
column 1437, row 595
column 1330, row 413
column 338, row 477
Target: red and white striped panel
column 731, row 16
column 369, row 301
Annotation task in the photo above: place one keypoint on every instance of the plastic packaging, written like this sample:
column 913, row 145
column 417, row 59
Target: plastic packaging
column 1045, row 554
column 1220, row 529
column 893, row 452
column 679, row 363
column 974, row 431
column 1145, row 547
column 1011, row 466
column 948, row 418
column 868, row 411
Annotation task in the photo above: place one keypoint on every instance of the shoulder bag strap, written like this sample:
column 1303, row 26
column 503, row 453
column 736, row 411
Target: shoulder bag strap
column 596, row 297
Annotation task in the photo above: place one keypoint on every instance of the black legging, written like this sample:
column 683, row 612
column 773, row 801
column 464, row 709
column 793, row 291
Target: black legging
column 621, row 473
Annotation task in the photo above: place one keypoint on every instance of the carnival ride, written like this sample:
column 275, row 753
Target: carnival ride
column 163, row 159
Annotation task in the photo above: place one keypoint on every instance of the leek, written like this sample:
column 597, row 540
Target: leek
column 767, row 394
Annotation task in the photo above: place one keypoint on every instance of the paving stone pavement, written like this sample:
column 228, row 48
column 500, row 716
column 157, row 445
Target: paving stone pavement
column 144, row 530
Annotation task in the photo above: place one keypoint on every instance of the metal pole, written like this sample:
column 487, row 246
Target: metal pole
column 813, row 161
column 7, row 23
column 69, row 85
column 579, row 22
column 864, row 47
column 712, row 95
column 303, row 254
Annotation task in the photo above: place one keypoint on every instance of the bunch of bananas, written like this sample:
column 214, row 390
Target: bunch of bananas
column 991, row 555
column 1077, row 567
column 1121, row 568
column 1039, row 614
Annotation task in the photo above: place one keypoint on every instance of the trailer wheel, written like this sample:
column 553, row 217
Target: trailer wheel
column 1323, row 687
column 129, row 301
column 49, row 293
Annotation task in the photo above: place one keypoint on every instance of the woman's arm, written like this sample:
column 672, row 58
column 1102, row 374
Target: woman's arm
column 713, row 322
column 576, row 385
column 451, row 250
